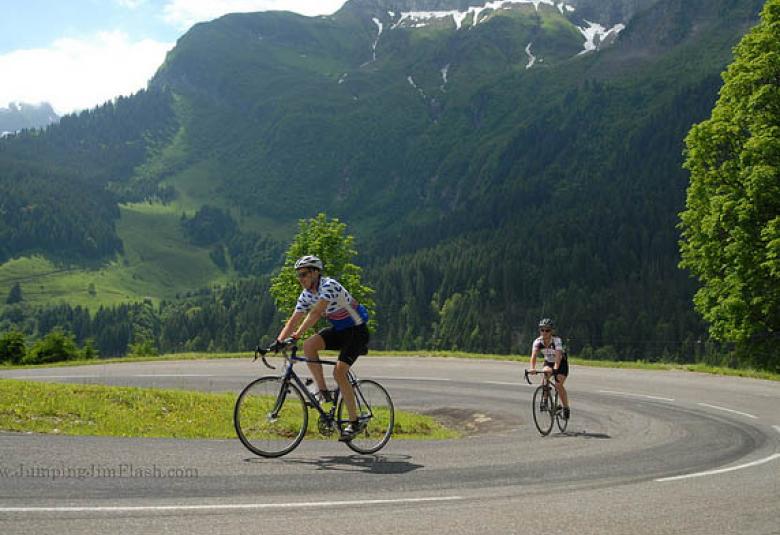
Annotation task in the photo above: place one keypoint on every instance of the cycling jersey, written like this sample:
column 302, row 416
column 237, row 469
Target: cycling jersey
column 343, row 311
column 548, row 352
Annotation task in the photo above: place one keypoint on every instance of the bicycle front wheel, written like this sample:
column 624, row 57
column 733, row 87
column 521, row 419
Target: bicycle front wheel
column 375, row 411
column 562, row 422
column 543, row 407
column 270, row 417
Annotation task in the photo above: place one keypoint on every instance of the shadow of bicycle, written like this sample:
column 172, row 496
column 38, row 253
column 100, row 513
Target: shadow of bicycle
column 580, row 434
column 368, row 464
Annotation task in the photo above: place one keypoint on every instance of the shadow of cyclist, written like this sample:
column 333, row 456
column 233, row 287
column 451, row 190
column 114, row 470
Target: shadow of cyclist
column 368, row 464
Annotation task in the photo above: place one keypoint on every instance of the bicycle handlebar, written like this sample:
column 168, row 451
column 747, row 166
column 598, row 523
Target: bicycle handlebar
column 554, row 373
column 276, row 347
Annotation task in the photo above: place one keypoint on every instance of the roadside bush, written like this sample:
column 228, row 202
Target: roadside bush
column 13, row 348
column 56, row 346
column 89, row 351
column 143, row 348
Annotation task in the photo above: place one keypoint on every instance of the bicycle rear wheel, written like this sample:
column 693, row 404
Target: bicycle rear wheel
column 375, row 411
column 270, row 420
column 543, row 408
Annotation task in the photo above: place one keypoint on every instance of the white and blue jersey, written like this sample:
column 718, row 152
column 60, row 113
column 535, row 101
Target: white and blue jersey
column 342, row 311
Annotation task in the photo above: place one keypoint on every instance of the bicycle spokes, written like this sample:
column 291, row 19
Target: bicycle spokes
column 270, row 417
column 376, row 416
column 543, row 408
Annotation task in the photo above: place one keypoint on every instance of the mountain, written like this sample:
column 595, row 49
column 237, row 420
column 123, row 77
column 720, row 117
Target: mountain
column 497, row 161
column 19, row 115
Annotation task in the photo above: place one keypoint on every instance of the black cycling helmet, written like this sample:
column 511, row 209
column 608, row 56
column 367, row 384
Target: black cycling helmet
column 309, row 261
column 546, row 322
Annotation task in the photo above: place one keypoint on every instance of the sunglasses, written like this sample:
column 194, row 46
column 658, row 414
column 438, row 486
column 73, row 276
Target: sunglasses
column 546, row 330
column 301, row 274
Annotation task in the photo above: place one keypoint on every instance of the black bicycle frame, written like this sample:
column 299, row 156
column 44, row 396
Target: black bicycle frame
column 291, row 375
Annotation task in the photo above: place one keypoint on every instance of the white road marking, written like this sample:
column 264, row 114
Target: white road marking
column 175, row 375
column 221, row 507
column 631, row 394
column 403, row 378
column 110, row 376
column 502, row 383
column 777, row 428
column 721, row 470
column 728, row 410
column 20, row 377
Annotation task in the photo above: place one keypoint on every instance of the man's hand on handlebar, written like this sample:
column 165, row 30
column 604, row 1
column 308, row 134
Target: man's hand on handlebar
column 279, row 345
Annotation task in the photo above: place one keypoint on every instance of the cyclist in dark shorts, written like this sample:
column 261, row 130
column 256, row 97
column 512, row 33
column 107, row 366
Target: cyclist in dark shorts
column 551, row 347
column 324, row 296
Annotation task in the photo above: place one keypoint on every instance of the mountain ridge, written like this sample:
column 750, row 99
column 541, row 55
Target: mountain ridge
column 482, row 192
column 21, row 115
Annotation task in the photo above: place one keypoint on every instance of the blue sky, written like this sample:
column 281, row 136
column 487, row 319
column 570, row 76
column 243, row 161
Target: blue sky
column 76, row 54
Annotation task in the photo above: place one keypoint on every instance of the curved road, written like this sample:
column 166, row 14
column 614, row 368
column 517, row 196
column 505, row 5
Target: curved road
column 645, row 452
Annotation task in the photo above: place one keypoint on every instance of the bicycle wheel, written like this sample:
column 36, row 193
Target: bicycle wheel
column 270, row 421
column 543, row 409
column 375, row 411
column 559, row 419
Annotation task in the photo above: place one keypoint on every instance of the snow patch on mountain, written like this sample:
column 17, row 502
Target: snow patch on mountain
column 597, row 35
column 531, row 57
column 414, row 85
column 444, row 72
column 378, row 35
column 419, row 19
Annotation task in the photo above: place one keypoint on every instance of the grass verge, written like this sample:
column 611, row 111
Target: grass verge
column 98, row 410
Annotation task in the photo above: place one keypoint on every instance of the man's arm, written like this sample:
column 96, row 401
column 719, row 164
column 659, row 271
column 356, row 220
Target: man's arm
column 291, row 324
column 311, row 318
column 558, row 358
column 534, row 353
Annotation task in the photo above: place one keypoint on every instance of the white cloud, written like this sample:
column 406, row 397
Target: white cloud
column 75, row 74
column 185, row 13
column 80, row 73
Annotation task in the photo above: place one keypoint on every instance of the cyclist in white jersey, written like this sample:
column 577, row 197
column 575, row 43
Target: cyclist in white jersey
column 551, row 347
column 324, row 296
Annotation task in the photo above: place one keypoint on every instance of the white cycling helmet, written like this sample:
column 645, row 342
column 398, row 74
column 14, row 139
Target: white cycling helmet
column 308, row 261
column 547, row 322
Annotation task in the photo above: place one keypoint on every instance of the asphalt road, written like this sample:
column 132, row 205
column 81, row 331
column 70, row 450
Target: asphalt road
column 645, row 452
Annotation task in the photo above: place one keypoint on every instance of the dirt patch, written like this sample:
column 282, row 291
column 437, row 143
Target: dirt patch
column 473, row 422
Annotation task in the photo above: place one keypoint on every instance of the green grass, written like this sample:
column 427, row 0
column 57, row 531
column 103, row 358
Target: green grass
column 158, row 263
column 98, row 410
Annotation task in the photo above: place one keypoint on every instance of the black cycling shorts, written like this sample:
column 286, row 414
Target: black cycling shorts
column 352, row 342
column 562, row 370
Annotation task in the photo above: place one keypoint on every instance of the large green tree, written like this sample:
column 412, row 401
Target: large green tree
column 327, row 239
column 731, row 225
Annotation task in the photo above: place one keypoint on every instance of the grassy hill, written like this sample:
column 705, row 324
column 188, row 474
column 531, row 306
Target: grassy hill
column 483, row 194
column 157, row 263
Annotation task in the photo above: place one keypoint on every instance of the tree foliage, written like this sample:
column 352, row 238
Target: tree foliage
column 13, row 347
column 326, row 239
column 505, row 194
column 14, row 295
column 731, row 224
column 56, row 346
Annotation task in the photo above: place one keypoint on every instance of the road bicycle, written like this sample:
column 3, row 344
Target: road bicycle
column 271, row 415
column 544, row 404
